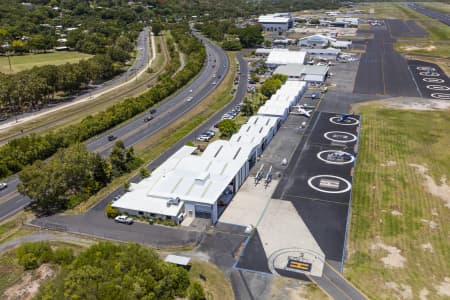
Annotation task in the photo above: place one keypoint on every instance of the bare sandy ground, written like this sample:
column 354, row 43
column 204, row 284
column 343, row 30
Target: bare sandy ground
column 394, row 259
column 28, row 287
column 441, row 190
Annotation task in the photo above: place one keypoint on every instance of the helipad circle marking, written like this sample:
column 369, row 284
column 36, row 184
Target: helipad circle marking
column 355, row 121
column 433, row 74
column 441, row 96
column 436, row 87
column 349, row 186
column 326, row 135
column 352, row 158
column 425, row 68
column 433, row 80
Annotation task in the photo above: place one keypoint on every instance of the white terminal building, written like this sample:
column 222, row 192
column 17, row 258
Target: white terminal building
column 201, row 185
column 279, row 57
column 276, row 22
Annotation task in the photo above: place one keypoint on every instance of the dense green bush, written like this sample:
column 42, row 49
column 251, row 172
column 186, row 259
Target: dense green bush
column 31, row 255
column 111, row 212
column 195, row 291
column 63, row 256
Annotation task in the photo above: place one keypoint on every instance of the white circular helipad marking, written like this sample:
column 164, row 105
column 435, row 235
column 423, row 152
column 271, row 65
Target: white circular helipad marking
column 436, row 87
column 346, row 189
column 338, row 136
column 426, row 69
column 433, row 80
column 335, row 120
column 433, row 74
column 441, row 96
column 319, row 156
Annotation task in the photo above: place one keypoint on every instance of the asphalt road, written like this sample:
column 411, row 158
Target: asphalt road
column 444, row 18
column 141, row 61
column 11, row 201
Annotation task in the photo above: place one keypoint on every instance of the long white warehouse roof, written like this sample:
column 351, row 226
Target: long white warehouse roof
column 274, row 18
column 286, row 57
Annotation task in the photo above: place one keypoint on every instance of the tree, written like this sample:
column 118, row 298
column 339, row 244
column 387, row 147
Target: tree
column 270, row 86
column 195, row 291
column 247, row 108
column 122, row 160
column 19, row 46
column 144, row 172
column 231, row 45
column 250, row 36
column 156, row 28
column 227, row 128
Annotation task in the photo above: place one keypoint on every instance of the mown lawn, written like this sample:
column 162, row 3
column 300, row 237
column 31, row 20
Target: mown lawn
column 23, row 62
column 391, row 205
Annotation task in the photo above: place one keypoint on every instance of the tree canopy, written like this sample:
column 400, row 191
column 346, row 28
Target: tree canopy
column 110, row 271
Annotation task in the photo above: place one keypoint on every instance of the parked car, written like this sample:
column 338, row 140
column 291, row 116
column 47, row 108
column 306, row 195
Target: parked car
column 148, row 118
column 233, row 91
column 210, row 132
column 152, row 111
column 111, row 137
column 203, row 138
column 123, row 219
column 3, row 185
column 116, row 198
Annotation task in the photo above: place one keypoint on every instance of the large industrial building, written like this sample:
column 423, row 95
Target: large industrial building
column 281, row 57
column 316, row 74
column 192, row 184
column 276, row 22
column 322, row 41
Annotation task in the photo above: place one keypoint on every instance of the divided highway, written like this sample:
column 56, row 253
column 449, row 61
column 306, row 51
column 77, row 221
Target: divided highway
column 136, row 130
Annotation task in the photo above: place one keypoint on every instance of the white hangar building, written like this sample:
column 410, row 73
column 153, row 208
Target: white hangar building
column 276, row 22
column 278, row 58
column 201, row 185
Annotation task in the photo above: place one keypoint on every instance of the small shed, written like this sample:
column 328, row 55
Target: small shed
column 181, row 261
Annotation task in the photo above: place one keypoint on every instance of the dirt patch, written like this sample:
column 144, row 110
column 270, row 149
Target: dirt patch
column 432, row 224
column 423, row 295
column 396, row 213
column 404, row 291
column 441, row 190
column 28, row 287
column 427, row 247
column 443, row 289
column 389, row 163
column 417, row 104
column 415, row 48
column 394, row 259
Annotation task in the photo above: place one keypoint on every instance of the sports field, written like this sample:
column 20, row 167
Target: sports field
column 23, row 62
column 399, row 245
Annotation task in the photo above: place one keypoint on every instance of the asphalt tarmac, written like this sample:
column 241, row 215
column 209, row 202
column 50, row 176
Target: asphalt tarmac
column 382, row 70
column 431, row 79
column 137, row 130
column 409, row 28
column 444, row 18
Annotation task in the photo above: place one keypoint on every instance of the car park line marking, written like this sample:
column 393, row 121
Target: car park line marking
column 342, row 133
column 346, row 189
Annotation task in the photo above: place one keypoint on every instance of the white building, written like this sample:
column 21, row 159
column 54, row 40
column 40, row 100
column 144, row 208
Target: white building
column 304, row 72
column 277, row 58
column 276, row 22
column 316, row 41
column 201, row 185
column 324, row 54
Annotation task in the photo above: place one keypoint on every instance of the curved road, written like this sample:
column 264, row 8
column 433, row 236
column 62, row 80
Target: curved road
column 136, row 130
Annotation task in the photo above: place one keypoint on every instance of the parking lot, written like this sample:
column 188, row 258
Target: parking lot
column 430, row 79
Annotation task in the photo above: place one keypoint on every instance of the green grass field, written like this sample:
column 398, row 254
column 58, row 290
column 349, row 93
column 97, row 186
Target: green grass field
column 437, row 6
column 23, row 62
column 393, row 208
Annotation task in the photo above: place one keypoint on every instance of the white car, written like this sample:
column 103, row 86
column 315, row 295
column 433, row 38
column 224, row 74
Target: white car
column 3, row 185
column 188, row 99
column 124, row 219
column 214, row 83
column 203, row 138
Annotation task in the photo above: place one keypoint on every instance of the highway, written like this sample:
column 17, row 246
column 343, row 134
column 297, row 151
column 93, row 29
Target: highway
column 139, row 66
column 444, row 18
column 136, row 130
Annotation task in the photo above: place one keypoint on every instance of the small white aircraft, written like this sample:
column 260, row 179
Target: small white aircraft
column 302, row 111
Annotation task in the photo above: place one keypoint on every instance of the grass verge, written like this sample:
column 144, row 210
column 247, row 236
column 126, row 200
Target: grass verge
column 28, row 61
column 399, row 224
column 214, row 283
